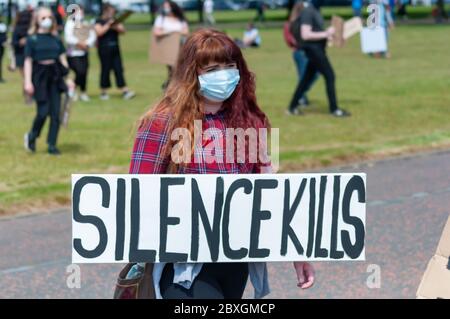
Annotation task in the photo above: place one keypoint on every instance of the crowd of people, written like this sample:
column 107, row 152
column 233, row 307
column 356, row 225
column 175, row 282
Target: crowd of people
column 49, row 53
column 44, row 51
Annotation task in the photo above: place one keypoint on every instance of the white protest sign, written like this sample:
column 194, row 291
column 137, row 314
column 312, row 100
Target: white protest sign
column 373, row 40
column 223, row 218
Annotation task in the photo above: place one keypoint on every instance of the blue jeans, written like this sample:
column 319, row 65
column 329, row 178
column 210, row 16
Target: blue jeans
column 301, row 62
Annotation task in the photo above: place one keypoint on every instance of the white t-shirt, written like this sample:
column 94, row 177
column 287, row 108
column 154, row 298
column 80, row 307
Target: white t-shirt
column 3, row 27
column 72, row 40
column 169, row 25
column 252, row 36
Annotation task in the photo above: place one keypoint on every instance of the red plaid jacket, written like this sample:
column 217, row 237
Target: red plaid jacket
column 148, row 156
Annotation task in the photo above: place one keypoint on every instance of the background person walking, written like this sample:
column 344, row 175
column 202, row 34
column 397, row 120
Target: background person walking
column 298, row 54
column 3, row 39
column 45, row 69
column 313, row 38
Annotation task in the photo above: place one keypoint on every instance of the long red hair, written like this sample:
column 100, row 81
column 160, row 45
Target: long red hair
column 182, row 100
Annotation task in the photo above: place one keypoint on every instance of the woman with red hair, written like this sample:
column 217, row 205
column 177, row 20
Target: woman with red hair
column 211, row 84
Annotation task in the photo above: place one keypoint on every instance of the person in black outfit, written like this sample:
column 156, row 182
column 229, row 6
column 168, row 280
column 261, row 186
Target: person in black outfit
column 19, row 37
column 309, row 31
column 109, row 52
column 45, row 68
column 3, row 38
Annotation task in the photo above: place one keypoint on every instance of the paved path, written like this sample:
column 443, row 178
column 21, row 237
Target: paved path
column 408, row 204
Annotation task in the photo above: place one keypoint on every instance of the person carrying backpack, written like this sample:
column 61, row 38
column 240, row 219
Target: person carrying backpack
column 298, row 54
column 313, row 38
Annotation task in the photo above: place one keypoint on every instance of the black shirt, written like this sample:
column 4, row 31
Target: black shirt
column 44, row 46
column 311, row 16
column 110, row 38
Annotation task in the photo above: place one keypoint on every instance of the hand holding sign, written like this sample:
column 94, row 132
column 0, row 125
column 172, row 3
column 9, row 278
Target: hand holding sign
column 305, row 274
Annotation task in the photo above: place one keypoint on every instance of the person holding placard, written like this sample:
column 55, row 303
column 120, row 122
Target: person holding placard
column 79, row 36
column 45, row 68
column 313, row 38
column 170, row 20
column 108, row 32
column 211, row 84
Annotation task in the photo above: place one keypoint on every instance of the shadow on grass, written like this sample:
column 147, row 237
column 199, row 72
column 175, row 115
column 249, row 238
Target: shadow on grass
column 73, row 148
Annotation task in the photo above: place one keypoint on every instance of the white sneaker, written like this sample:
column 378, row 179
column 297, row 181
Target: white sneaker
column 104, row 97
column 128, row 95
column 84, row 97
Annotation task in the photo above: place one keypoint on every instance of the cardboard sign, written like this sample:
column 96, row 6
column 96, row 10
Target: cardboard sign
column 124, row 16
column 218, row 218
column 373, row 40
column 344, row 30
column 82, row 33
column 351, row 27
column 435, row 283
column 165, row 49
column 338, row 36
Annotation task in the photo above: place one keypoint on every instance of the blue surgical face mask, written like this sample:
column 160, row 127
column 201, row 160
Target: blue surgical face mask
column 218, row 86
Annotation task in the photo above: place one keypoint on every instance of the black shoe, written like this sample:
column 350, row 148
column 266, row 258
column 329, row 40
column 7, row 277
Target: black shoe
column 341, row 113
column 294, row 112
column 29, row 144
column 52, row 150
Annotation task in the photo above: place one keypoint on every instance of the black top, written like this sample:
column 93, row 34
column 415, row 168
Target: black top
column 46, row 46
column 3, row 37
column 311, row 16
column 19, row 33
column 110, row 38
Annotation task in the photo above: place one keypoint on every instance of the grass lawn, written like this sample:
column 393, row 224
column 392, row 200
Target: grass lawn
column 418, row 12
column 398, row 104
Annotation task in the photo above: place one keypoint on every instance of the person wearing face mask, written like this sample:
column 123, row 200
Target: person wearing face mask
column 311, row 37
column 171, row 19
column 45, row 68
column 211, row 84
column 109, row 53
column 79, row 38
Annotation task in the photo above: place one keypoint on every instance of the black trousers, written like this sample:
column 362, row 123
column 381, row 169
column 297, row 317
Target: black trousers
column 318, row 62
column 48, row 108
column 111, row 60
column 2, row 52
column 80, row 65
column 215, row 281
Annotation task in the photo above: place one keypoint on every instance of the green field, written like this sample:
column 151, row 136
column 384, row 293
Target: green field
column 399, row 105
column 225, row 17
